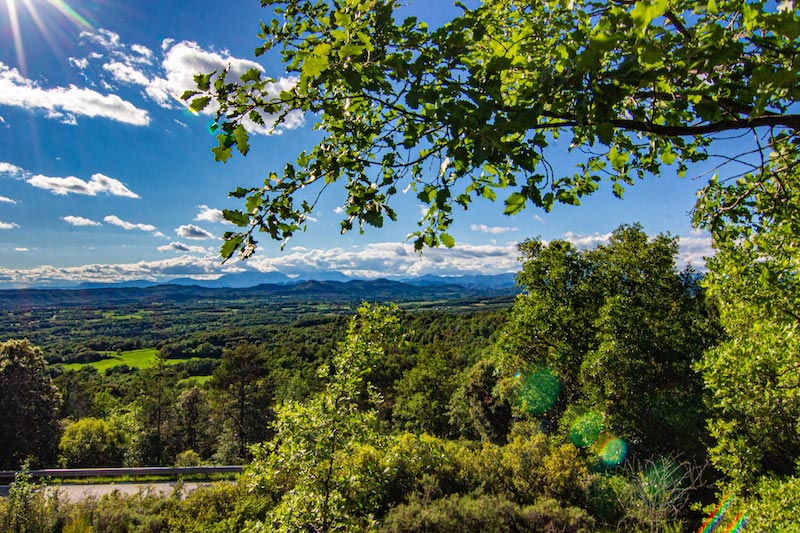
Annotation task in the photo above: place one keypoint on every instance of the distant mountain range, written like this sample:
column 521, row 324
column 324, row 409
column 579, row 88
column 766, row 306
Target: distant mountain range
column 243, row 280
column 428, row 288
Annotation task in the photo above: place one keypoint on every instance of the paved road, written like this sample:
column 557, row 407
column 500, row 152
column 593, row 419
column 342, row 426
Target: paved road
column 76, row 493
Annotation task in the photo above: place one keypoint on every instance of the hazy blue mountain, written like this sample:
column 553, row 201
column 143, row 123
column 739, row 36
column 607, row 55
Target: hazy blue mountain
column 353, row 291
column 470, row 281
column 252, row 278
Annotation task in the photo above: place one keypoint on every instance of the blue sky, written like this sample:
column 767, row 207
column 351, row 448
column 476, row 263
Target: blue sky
column 104, row 176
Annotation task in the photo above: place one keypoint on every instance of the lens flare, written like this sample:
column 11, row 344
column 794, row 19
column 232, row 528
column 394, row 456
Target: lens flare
column 612, row 451
column 586, row 429
column 539, row 391
column 46, row 28
column 70, row 13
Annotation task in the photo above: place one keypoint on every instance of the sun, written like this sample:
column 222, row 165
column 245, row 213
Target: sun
column 35, row 9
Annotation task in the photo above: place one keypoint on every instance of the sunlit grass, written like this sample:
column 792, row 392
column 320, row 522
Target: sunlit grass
column 144, row 358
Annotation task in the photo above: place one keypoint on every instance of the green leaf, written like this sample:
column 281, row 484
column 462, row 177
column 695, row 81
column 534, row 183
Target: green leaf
column 314, row 65
column 221, row 153
column 230, row 245
column 198, row 104
column 203, row 81
column 668, row 156
column 515, row 203
column 253, row 74
column 236, row 217
column 617, row 159
column 242, row 139
column 447, row 240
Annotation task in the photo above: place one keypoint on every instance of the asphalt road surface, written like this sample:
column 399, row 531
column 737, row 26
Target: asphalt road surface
column 74, row 493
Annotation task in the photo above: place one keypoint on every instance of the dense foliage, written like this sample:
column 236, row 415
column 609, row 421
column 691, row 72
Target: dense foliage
column 28, row 406
column 620, row 327
column 474, row 107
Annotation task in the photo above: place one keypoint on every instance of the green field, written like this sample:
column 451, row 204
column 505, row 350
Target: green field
column 144, row 358
column 194, row 380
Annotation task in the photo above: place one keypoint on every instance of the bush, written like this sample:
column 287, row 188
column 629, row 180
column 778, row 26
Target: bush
column 776, row 505
column 529, row 467
column 487, row 514
column 29, row 509
column 91, row 442
column 188, row 458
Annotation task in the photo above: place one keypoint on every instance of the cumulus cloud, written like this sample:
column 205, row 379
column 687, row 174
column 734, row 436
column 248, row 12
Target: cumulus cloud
column 165, row 82
column 694, row 248
column 395, row 259
column 208, row 214
column 125, row 73
column 80, row 63
column 180, row 247
column 66, row 103
column 190, row 231
column 144, row 53
column 116, row 221
column 586, row 241
column 3, row 199
column 483, row 228
column 339, row 210
column 8, row 225
column 99, row 183
column 8, row 168
column 105, row 38
column 79, row 221
column 207, row 267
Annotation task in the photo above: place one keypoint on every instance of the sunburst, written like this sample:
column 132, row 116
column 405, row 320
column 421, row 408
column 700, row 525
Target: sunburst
column 33, row 8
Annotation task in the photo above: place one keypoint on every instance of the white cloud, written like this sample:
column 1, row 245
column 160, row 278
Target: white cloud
column 21, row 249
column 116, row 221
column 126, row 73
column 143, row 51
column 207, row 267
column 99, row 183
column 339, row 210
column 180, row 247
column 79, row 221
column 165, row 82
column 395, row 259
column 483, row 228
column 182, row 61
column 208, row 214
column 3, row 199
column 66, row 103
column 694, row 248
column 190, row 231
column 585, row 241
column 8, row 168
column 81, row 63
column 8, row 225
column 103, row 37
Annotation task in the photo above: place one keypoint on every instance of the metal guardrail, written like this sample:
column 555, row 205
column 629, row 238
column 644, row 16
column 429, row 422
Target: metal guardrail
column 119, row 472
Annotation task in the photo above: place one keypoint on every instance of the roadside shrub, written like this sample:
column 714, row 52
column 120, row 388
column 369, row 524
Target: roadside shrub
column 29, row 509
column 188, row 458
column 220, row 507
column 91, row 442
column 484, row 513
